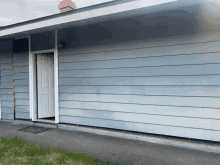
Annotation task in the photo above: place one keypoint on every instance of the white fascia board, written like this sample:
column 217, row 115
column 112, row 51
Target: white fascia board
column 138, row 4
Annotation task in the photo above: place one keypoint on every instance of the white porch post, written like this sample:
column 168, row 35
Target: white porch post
column 56, row 80
column 30, row 78
column 32, row 83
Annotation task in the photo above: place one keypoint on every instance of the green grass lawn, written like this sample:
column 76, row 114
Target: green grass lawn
column 16, row 151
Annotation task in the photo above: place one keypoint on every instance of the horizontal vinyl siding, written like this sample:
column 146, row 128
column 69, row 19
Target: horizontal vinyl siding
column 7, row 106
column 22, row 115
column 188, row 91
column 9, row 116
column 138, row 72
column 149, row 128
column 205, row 113
column 144, row 62
column 150, row 81
column 140, row 118
column 134, row 99
column 169, row 86
column 140, row 58
column 21, row 71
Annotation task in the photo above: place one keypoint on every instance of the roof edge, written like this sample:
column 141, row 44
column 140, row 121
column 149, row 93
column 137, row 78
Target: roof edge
column 97, row 6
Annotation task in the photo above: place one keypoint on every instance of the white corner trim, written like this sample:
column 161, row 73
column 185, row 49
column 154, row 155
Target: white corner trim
column 56, row 80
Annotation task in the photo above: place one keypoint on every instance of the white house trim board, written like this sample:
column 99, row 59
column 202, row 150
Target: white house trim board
column 56, row 80
column 31, row 76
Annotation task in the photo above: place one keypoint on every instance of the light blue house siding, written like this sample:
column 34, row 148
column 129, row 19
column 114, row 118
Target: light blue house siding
column 7, row 101
column 169, row 85
column 14, row 82
column 21, row 79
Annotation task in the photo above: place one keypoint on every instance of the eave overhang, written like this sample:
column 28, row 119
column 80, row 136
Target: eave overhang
column 94, row 14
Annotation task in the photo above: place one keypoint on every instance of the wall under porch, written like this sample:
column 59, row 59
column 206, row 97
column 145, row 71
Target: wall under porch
column 7, row 101
column 163, row 84
column 15, row 79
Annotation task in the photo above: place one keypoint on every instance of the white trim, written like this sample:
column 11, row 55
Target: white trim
column 46, row 121
column 32, row 83
column 32, row 80
column 56, row 80
column 81, row 16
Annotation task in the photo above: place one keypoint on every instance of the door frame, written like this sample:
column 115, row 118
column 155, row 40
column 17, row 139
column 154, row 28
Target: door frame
column 33, row 83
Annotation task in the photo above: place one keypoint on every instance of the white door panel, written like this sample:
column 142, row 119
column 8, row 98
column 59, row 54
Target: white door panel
column 45, row 71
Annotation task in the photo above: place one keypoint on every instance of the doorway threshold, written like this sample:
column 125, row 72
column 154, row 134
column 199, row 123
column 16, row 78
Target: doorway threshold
column 44, row 121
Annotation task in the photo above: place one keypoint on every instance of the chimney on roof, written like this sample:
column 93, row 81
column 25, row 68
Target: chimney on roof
column 66, row 5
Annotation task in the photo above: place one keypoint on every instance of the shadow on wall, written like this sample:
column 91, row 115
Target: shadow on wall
column 161, row 24
column 6, row 44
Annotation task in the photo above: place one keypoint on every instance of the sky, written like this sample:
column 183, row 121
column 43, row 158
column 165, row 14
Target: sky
column 14, row 11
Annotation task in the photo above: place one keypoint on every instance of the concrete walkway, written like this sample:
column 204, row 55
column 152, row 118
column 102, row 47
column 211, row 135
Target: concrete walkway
column 116, row 150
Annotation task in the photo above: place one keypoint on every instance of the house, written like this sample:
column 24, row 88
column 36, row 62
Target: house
column 137, row 65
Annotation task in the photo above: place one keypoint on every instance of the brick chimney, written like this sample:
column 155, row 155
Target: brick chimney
column 66, row 5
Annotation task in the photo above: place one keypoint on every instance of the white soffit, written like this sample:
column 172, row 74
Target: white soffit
column 138, row 4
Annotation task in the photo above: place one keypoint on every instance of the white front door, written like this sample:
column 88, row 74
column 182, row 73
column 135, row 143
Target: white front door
column 45, row 81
